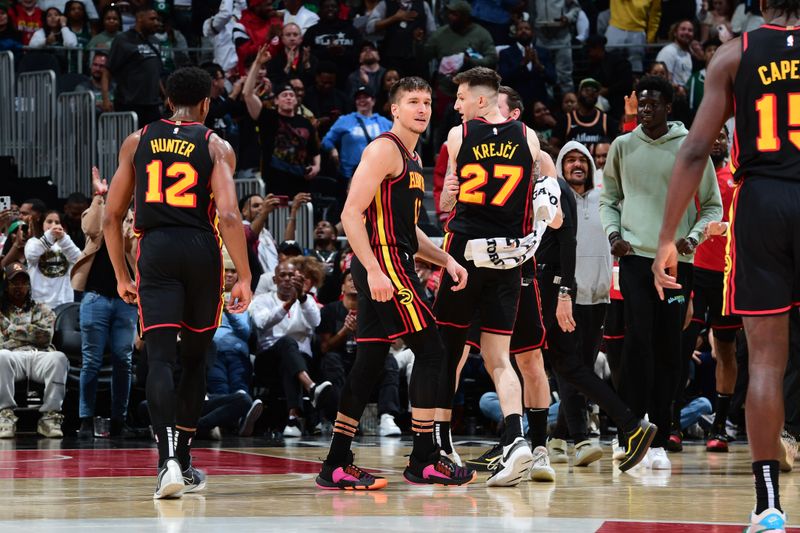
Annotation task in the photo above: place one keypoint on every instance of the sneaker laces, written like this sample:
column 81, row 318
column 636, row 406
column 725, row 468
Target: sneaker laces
column 356, row 472
column 447, row 467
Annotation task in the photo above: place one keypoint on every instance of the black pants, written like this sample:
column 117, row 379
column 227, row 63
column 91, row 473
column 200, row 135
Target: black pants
column 614, row 338
column 335, row 366
column 223, row 410
column 285, row 357
column 651, row 358
column 589, row 330
column 565, row 359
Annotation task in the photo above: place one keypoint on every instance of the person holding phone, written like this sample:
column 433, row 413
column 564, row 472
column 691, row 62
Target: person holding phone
column 54, row 32
column 290, row 156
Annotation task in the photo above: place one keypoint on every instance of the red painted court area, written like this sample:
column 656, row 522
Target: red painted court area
column 654, row 527
column 28, row 464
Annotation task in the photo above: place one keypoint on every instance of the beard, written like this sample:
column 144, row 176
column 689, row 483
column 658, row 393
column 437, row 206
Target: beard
column 719, row 158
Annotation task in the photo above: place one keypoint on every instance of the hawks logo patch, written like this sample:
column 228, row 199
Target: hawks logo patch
column 405, row 296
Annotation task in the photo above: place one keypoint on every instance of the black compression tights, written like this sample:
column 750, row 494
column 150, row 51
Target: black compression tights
column 167, row 406
column 368, row 370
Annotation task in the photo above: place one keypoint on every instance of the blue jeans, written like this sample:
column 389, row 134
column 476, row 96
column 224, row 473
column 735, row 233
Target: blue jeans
column 692, row 411
column 106, row 321
column 489, row 405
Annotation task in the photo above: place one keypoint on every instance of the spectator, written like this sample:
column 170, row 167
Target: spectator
column 32, row 211
column 26, row 330
column 220, row 28
column 223, row 108
column 27, row 18
column 369, row 73
column 717, row 22
column 106, row 320
column 300, row 91
column 258, row 25
column 323, row 98
column 61, row 5
column 585, row 124
column 296, row 13
column 746, row 17
column 78, row 22
column 327, row 252
column 53, row 32
column 94, row 84
column 527, row 67
column 135, row 65
column 495, row 16
column 285, row 321
column 553, row 21
column 10, row 37
column 231, row 370
column 361, row 21
column 312, row 270
column 335, row 40
column 31, row 214
column 74, row 207
column 112, row 24
column 50, row 259
column 613, row 70
column 677, row 55
column 337, row 334
column 633, row 24
column 404, row 25
column 172, row 45
column 382, row 103
column 351, row 133
column 290, row 148
column 600, row 156
column 262, row 254
column 696, row 85
column 292, row 59
column 542, row 120
column 659, row 69
column 569, row 101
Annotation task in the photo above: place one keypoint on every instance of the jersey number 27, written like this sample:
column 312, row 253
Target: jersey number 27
column 174, row 195
column 477, row 177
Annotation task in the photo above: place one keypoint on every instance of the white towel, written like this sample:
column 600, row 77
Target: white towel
column 503, row 253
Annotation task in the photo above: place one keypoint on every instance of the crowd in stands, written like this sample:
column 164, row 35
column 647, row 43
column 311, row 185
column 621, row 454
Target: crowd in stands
column 299, row 89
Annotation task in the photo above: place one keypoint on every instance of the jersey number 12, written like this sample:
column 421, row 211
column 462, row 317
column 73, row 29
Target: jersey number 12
column 175, row 195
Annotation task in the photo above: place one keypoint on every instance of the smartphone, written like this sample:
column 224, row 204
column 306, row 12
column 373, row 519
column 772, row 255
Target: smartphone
column 282, row 200
column 5, row 203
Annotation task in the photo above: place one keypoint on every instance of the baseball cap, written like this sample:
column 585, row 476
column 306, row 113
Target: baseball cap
column 283, row 88
column 363, row 89
column 15, row 269
column 14, row 225
column 460, row 5
column 590, row 82
column 290, row 248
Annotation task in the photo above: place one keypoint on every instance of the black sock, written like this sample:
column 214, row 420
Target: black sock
column 166, row 445
column 441, row 430
column 537, row 425
column 766, row 477
column 339, row 454
column 183, row 447
column 723, row 408
column 513, row 429
column 424, row 444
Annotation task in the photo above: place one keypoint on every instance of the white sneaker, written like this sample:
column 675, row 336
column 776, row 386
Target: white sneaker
column 50, row 425
column 215, row 433
column 769, row 520
column 8, row 424
column 788, row 451
column 587, row 452
column 292, row 429
column 659, row 459
column 617, row 452
column 453, row 456
column 169, row 483
column 388, row 427
column 557, row 448
column 541, row 469
column 517, row 460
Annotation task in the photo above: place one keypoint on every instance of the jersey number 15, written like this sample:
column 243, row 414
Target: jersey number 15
column 175, row 194
column 766, row 106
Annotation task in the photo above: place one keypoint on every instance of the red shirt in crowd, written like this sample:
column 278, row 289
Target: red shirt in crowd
column 25, row 23
column 710, row 255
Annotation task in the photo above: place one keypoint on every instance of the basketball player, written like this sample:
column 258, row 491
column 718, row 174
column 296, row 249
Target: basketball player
column 380, row 219
column 762, row 272
column 180, row 175
column 493, row 157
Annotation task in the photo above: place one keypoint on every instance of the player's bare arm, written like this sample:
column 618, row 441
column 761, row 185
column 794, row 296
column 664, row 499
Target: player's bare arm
column 447, row 201
column 378, row 161
column 715, row 109
column 119, row 197
column 434, row 254
column 230, row 219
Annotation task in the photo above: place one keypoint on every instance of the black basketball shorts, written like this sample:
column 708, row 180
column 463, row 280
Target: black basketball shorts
column 179, row 279
column 707, row 289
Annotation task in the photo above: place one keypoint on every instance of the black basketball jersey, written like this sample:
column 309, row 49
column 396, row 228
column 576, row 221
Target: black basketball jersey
column 173, row 177
column 766, row 141
column 495, row 170
column 392, row 216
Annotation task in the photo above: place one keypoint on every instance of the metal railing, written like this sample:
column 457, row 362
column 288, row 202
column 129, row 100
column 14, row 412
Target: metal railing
column 33, row 143
column 6, row 102
column 245, row 186
column 304, row 224
column 76, row 135
column 112, row 128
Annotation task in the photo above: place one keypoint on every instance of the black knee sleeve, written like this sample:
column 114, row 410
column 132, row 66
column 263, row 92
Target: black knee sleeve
column 427, row 377
column 365, row 374
column 162, row 351
column 453, row 340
